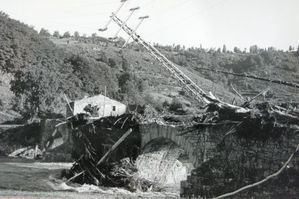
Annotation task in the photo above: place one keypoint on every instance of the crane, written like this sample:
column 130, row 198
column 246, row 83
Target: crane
column 187, row 83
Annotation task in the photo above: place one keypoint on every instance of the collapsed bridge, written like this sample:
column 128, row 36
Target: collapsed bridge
column 225, row 147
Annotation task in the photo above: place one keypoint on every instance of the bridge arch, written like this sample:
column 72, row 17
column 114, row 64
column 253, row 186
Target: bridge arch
column 153, row 131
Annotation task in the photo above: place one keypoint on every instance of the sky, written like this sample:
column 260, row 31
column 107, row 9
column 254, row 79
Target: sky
column 210, row 23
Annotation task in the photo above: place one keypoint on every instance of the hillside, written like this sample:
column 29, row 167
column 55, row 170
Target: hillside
column 36, row 71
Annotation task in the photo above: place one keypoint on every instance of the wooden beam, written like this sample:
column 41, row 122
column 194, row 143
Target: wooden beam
column 115, row 146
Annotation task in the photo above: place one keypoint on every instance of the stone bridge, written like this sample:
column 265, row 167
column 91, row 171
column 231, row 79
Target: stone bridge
column 199, row 148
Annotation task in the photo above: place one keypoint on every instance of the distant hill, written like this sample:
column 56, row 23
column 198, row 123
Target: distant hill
column 37, row 70
column 35, row 73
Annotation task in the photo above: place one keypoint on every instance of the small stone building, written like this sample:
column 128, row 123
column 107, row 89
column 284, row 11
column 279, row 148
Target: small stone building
column 97, row 107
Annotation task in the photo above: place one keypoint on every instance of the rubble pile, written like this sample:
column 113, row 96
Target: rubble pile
column 27, row 152
column 103, row 157
column 95, row 161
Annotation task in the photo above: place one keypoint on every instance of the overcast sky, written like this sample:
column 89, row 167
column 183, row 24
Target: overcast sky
column 211, row 23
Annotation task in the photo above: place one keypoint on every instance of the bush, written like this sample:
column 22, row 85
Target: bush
column 56, row 34
column 66, row 35
column 3, row 14
column 44, row 32
column 176, row 105
column 111, row 62
column 165, row 104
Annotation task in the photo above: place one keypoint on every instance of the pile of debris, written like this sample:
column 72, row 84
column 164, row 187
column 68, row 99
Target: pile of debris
column 27, row 152
column 105, row 151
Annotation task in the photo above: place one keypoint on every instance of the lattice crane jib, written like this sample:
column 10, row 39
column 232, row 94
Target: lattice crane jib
column 187, row 83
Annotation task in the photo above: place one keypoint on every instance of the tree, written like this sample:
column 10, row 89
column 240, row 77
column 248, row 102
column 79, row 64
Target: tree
column 272, row 49
column 66, row 34
column 76, row 35
column 298, row 50
column 291, row 48
column 56, row 34
column 44, row 32
column 224, row 48
column 111, row 62
column 94, row 35
column 253, row 49
column 3, row 14
column 237, row 50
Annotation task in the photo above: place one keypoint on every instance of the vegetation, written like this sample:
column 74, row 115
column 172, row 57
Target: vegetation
column 41, row 68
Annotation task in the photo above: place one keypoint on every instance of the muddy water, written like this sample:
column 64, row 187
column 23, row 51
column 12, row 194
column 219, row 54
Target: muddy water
column 27, row 175
column 23, row 178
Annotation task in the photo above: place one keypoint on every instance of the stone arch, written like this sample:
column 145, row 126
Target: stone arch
column 153, row 131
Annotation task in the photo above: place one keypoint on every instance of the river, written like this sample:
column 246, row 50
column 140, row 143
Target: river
column 27, row 175
column 22, row 178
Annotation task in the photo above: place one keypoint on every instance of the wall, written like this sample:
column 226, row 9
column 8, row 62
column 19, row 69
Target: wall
column 104, row 104
column 240, row 160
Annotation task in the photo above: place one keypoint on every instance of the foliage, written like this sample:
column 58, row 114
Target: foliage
column 44, row 32
column 76, row 35
column 3, row 14
column 42, row 71
column 237, row 50
column 224, row 48
column 176, row 105
column 66, row 34
column 111, row 62
column 56, row 34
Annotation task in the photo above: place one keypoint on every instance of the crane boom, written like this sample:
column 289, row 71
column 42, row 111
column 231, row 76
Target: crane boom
column 186, row 82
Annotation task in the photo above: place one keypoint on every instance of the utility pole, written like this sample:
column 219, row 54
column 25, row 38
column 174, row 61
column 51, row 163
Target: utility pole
column 132, row 10
column 135, row 29
column 106, row 26
column 188, row 84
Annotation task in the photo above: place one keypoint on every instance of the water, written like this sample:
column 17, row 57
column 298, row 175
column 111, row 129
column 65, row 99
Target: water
column 21, row 177
column 27, row 175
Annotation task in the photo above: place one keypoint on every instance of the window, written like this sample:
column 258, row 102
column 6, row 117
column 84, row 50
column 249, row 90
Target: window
column 113, row 108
